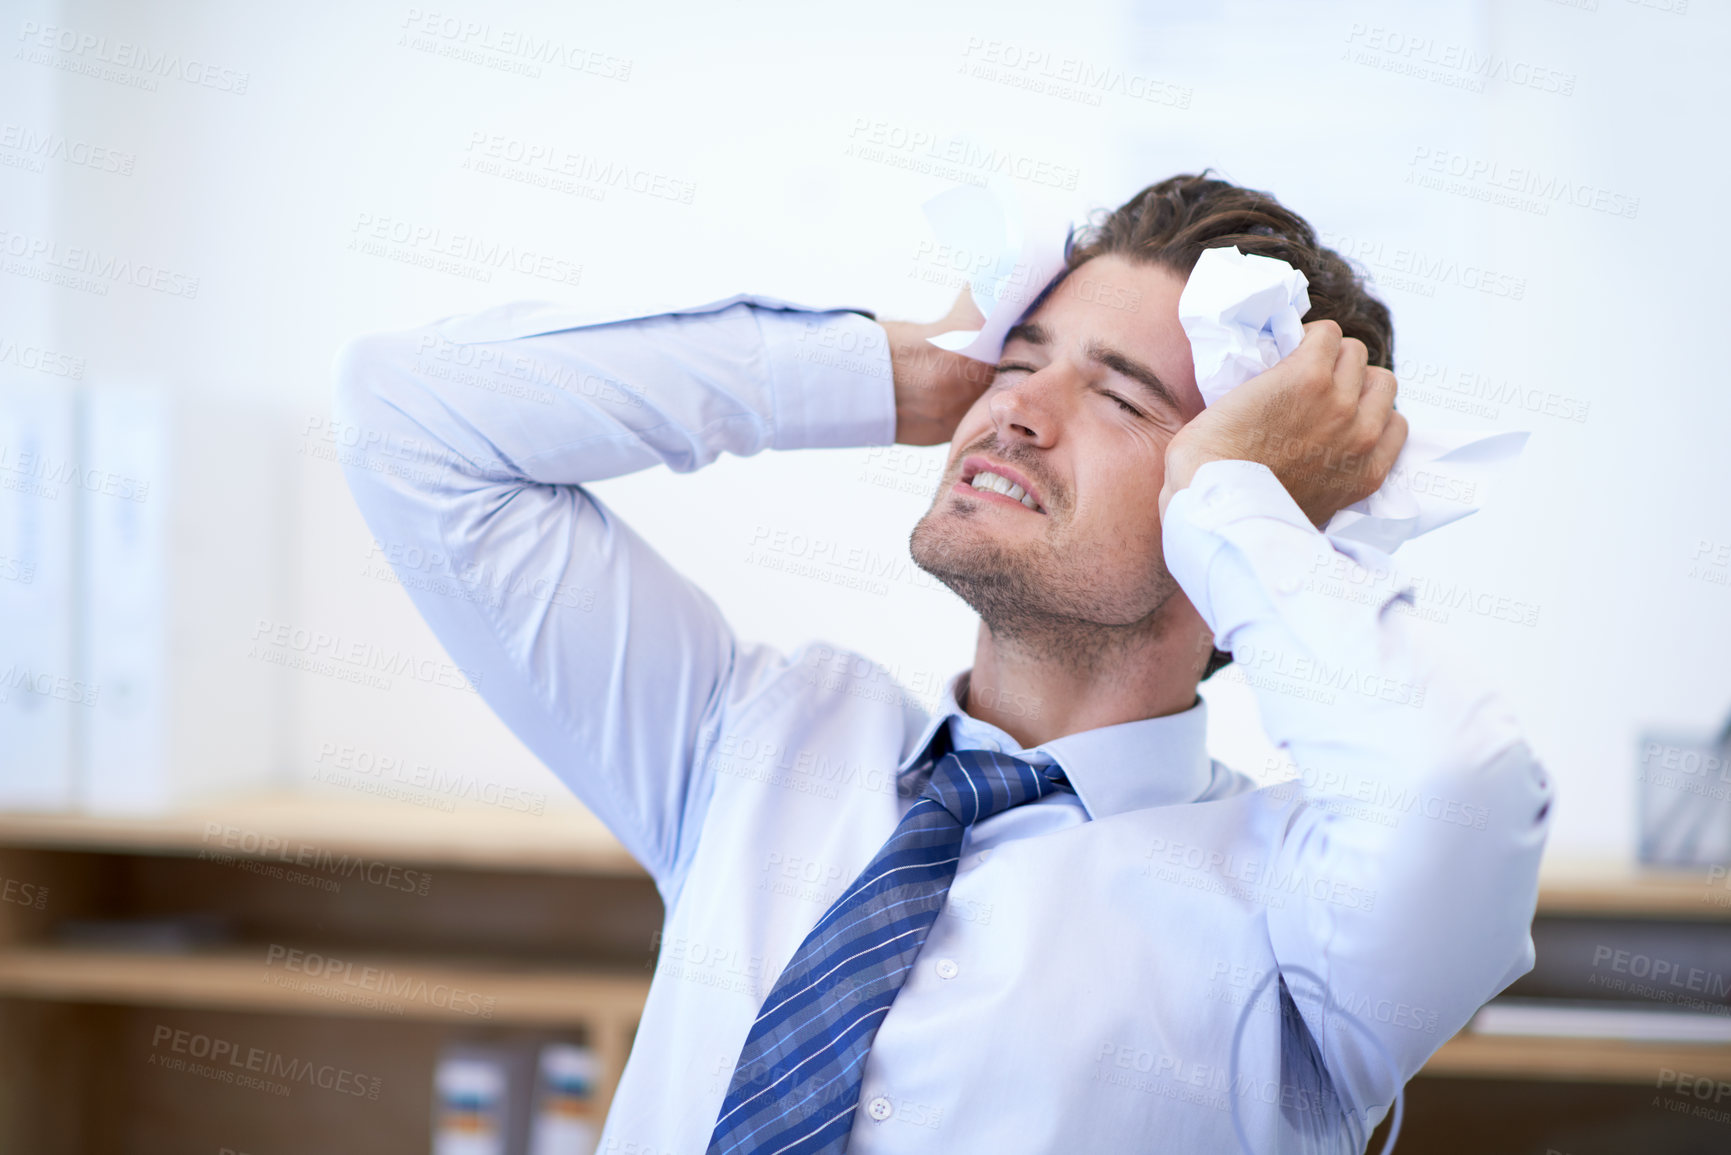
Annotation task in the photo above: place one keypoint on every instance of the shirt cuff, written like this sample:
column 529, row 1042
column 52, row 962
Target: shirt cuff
column 831, row 379
column 1279, row 562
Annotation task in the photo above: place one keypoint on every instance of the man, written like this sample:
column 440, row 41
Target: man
column 1041, row 919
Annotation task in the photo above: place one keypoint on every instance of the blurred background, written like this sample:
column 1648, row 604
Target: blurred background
column 200, row 202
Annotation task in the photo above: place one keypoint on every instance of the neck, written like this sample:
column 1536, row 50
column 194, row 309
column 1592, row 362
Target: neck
column 1037, row 688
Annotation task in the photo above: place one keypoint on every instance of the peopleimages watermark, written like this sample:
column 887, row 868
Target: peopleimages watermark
column 422, row 462
column 806, row 770
column 1451, row 65
column 374, row 987
column 718, row 966
column 462, row 254
column 1368, row 798
column 833, row 562
column 1247, row 877
column 256, row 851
column 1316, row 679
column 1520, row 187
column 39, row 359
column 351, row 660
column 1687, row 770
column 1467, row 390
column 31, row 149
column 558, row 169
column 123, row 62
column 29, row 894
column 1632, row 973
column 1236, row 984
column 17, row 569
column 31, row 471
column 226, row 1061
column 922, row 150
column 1432, row 599
column 23, row 679
column 358, row 768
column 502, row 48
column 1420, row 272
column 1071, row 78
column 1710, row 562
column 415, row 567
column 495, row 366
column 1702, row 1089
column 86, row 269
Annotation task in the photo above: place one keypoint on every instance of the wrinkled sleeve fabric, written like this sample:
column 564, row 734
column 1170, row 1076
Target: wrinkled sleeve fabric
column 467, row 444
column 1408, row 870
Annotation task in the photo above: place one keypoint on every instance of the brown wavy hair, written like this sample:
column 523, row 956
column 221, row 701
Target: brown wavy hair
column 1171, row 224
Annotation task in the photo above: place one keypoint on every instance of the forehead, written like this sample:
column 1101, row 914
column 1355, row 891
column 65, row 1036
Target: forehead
column 1130, row 306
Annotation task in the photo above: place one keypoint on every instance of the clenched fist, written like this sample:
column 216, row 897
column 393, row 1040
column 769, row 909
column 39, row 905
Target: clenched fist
column 1322, row 419
column 934, row 388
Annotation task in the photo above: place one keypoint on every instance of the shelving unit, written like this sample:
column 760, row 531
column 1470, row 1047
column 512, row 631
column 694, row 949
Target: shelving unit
column 473, row 926
column 544, row 918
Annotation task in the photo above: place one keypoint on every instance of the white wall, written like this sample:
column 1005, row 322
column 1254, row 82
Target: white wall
column 258, row 194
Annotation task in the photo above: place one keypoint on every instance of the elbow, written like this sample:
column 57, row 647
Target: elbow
column 363, row 373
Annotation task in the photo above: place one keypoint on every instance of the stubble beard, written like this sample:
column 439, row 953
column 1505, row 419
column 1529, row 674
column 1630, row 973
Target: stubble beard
column 1049, row 604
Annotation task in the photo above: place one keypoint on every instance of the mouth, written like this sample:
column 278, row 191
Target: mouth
column 988, row 479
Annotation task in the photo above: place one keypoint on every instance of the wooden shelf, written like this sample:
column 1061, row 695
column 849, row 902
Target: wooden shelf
column 563, row 840
column 1584, row 887
column 401, row 988
column 1470, row 1056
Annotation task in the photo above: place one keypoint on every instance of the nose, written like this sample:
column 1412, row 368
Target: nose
column 1026, row 409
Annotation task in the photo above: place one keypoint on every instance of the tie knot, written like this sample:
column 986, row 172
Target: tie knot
column 976, row 784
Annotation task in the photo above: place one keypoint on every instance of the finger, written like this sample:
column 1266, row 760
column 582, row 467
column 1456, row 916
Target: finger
column 964, row 314
column 1318, row 350
column 1376, row 401
column 1349, row 367
column 1382, row 457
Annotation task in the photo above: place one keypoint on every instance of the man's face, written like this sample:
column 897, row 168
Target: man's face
column 1089, row 390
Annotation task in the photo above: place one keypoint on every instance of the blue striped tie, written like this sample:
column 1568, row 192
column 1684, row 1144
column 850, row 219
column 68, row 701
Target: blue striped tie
column 797, row 1083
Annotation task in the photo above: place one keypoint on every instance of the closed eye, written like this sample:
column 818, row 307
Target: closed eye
column 1013, row 366
column 1125, row 405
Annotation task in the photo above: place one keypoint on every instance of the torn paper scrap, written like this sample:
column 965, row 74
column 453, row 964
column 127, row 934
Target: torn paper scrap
column 1011, row 251
column 1244, row 312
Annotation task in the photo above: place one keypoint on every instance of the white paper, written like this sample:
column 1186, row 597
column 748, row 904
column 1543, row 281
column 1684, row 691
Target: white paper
column 1243, row 313
column 1010, row 248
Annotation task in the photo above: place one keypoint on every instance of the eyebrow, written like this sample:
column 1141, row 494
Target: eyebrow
column 1100, row 353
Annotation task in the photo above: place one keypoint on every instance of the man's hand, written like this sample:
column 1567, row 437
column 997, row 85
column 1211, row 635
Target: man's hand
column 1323, row 420
column 934, row 388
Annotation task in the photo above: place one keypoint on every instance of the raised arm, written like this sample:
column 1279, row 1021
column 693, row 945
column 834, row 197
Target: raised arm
column 1408, row 872
column 469, row 442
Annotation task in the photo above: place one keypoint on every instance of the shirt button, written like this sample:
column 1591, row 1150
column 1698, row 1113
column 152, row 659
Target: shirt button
column 947, row 968
column 1211, row 499
column 880, row 1108
column 1290, row 584
column 992, row 745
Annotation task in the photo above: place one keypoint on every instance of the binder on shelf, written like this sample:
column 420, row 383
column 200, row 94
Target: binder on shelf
column 471, row 1104
column 564, row 1121
column 42, row 695
column 182, row 540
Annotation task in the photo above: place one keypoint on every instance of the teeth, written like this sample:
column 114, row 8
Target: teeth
column 986, row 479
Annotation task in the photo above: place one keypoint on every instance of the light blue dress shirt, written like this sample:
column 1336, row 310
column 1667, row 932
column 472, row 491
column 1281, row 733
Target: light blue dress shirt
column 1102, row 954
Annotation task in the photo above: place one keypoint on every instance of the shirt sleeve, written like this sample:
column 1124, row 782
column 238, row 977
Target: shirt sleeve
column 1408, row 872
column 467, row 444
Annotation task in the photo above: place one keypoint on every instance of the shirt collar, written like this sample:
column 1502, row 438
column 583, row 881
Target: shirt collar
column 1128, row 766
